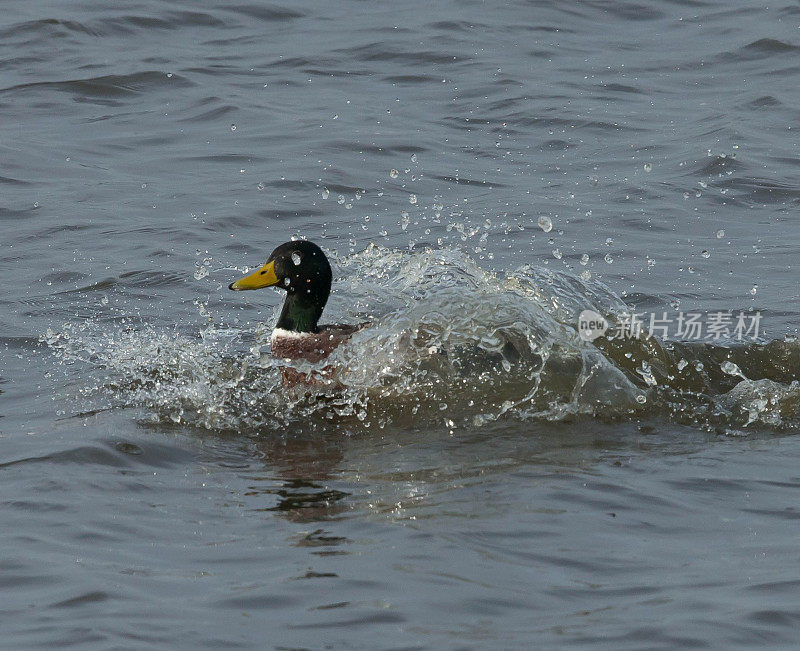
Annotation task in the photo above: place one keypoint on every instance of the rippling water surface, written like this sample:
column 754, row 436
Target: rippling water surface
column 480, row 476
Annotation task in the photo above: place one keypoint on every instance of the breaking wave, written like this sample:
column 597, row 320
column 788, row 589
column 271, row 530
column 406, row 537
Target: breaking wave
column 449, row 345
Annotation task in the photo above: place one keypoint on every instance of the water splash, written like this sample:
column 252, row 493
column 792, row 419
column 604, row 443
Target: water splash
column 449, row 344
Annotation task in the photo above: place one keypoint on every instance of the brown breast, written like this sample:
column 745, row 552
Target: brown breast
column 311, row 348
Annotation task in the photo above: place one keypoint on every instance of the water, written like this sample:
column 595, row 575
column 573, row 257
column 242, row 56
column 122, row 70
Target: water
column 480, row 476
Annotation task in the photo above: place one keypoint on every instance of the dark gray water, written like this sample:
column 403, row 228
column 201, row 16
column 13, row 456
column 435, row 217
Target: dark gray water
column 158, row 485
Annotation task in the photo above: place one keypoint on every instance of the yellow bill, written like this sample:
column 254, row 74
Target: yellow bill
column 262, row 277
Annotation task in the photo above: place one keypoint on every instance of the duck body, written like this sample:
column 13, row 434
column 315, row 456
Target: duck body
column 302, row 270
column 312, row 347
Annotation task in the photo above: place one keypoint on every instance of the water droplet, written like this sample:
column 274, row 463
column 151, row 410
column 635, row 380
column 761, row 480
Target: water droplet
column 233, row 127
column 326, row 193
column 412, row 198
column 169, row 75
column 703, row 184
column 699, row 367
column 557, row 254
column 287, row 281
column 104, row 300
column 651, row 263
column 413, row 158
column 296, row 258
column 585, row 259
column 720, row 234
column 648, row 167
column 705, row 254
column 261, row 186
column 608, row 258
column 545, row 223
column 394, row 173
column 754, row 290
column 340, row 199
column 609, row 241
column 730, row 368
column 641, row 398
column 586, row 274
column 682, row 364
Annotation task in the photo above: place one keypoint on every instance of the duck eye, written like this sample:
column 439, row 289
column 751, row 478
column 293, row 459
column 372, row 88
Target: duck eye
column 296, row 258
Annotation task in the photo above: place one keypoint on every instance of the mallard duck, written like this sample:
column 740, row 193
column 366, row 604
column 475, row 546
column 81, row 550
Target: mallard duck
column 301, row 269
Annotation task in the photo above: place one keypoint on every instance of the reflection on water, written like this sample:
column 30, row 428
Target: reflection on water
column 301, row 466
column 404, row 475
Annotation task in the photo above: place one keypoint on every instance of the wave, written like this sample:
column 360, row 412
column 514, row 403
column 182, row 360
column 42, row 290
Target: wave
column 450, row 345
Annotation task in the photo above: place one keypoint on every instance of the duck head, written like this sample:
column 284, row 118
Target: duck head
column 304, row 273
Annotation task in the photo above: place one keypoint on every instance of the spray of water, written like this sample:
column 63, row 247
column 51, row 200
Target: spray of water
column 449, row 344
